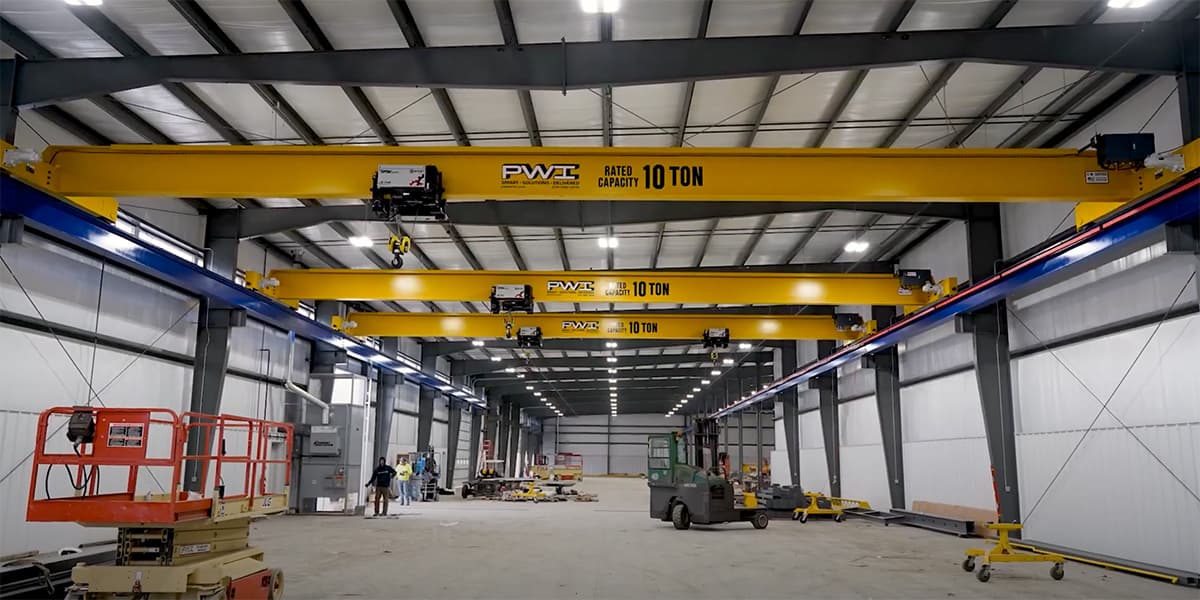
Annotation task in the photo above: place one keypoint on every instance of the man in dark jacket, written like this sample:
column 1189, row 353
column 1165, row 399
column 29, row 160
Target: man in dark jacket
column 382, row 480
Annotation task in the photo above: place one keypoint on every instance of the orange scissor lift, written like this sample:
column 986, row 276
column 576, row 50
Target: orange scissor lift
column 171, row 543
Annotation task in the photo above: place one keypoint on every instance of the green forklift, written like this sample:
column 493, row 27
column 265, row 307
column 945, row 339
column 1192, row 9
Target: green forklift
column 697, row 493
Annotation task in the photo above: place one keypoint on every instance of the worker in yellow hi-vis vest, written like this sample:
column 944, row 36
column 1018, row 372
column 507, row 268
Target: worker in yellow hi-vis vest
column 404, row 474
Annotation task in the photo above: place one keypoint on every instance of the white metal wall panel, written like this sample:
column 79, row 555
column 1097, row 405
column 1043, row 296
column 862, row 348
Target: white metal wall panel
column 1138, row 114
column 945, row 253
column 935, row 351
column 864, row 473
column 1159, row 401
column 945, row 450
column 1102, row 296
column 814, row 472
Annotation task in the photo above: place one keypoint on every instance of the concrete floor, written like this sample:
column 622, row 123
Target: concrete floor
column 612, row 549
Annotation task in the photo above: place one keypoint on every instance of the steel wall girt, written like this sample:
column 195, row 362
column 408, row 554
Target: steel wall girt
column 1125, row 47
column 596, row 326
column 696, row 174
column 886, row 364
column 477, row 367
column 688, row 287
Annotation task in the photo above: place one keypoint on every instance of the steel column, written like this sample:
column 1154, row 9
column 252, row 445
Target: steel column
column 473, row 465
column 214, row 329
column 454, row 429
column 827, row 386
column 514, row 436
column 500, row 446
column 886, row 364
column 988, row 327
column 787, row 361
column 428, row 396
column 385, row 401
column 1189, row 104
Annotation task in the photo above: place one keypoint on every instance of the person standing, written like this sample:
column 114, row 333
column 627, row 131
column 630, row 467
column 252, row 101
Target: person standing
column 382, row 480
column 405, row 474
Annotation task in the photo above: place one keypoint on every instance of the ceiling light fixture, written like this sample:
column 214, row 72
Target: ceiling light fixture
column 529, row 387
column 510, row 370
column 612, row 380
column 537, row 393
column 714, row 372
column 612, row 388
column 684, row 401
column 495, row 359
column 358, row 241
column 610, row 344
column 612, row 370
column 99, row 2
column 727, row 361
column 695, row 389
column 519, row 375
column 1111, row 3
column 477, row 343
column 613, row 394
column 611, row 359
column 608, row 242
column 691, row 396
column 745, row 346
column 856, row 246
column 704, row 382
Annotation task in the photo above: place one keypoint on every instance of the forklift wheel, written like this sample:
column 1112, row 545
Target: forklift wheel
column 680, row 516
column 838, row 518
column 795, row 516
column 466, row 492
column 1057, row 571
column 275, row 592
column 968, row 564
column 760, row 520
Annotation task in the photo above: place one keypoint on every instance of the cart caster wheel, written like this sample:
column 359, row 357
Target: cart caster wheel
column 795, row 516
column 968, row 565
column 838, row 518
column 1057, row 571
column 984, row 574
column 275, row 592
column 760, row 521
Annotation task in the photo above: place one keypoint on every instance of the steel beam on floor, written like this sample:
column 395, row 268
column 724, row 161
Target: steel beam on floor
column 988, row 327
column 886, row 364
column 827, row 389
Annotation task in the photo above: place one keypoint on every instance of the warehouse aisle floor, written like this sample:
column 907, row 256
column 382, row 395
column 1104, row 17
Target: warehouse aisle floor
column 612, row 549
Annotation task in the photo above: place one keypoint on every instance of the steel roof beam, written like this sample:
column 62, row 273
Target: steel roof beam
column 304, row 21
column 993, row 19
column 685, row 108
column 1130, row 89
column 857, row 79
column 1088, row 17
column 509, row 30
column 773, row 81
column 1121, row 47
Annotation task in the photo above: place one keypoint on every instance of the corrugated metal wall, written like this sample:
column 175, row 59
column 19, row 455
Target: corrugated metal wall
column 607, row 444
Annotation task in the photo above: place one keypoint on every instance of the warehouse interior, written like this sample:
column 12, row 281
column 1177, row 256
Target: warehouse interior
column 589, row 292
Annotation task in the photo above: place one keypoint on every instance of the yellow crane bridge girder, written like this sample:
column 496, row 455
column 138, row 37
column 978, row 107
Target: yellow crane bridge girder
column 681, row 287
column 494, row 173
column 616, row 326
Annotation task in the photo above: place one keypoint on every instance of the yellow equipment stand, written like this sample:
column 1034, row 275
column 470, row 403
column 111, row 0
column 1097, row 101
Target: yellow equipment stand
column 821, row 505
column 1005, row 552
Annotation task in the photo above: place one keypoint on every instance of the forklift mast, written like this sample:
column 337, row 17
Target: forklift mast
column 706, row 433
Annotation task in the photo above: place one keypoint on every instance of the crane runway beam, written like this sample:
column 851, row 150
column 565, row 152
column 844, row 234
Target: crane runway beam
column 683, row 287
column 595, row 325
column 625, row 174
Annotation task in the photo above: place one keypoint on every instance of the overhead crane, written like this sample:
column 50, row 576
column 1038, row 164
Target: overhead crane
column 599, row 326
column 684, row 287
column 689, row 174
